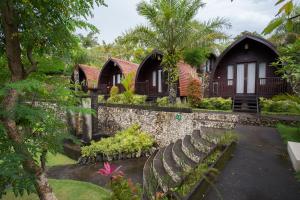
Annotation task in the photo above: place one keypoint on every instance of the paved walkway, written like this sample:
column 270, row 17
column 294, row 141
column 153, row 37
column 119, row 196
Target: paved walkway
column 259, row 170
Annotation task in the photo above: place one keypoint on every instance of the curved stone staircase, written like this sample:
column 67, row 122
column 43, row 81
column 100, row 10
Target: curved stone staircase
column 167, row 167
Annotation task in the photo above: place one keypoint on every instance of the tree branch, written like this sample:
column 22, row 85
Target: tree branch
column 43, row 160
column 34, row 63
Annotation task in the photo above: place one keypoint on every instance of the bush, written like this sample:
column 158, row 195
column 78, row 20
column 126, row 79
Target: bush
column 164, row 101
column 279, row 106
column 101, row 99
column 139, row 99
column 283, row 97
column 130, row 140
column 114, row 91
column 123, row 99
column 289, row 133
column 194, row 93
column 215, row 103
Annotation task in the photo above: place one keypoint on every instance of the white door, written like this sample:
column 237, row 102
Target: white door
column 251, row 78
column 240, row 77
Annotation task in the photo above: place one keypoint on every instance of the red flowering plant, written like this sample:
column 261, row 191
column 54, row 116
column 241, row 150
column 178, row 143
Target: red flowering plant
column 122, row 188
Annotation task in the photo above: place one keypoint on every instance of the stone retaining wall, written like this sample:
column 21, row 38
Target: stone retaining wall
column 169, row 126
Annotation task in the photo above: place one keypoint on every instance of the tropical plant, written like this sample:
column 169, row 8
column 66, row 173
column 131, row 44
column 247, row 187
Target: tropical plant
column 172, row 29
column 279, row 106
column 163, row 101
column 88, row 41
column 29, row 30
column 130, row 140
column 215, row 103
column 194, row 93
column 128, row 84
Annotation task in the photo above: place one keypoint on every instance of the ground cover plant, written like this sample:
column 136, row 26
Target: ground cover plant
column 285, row 104
column 215, row 103
column 130, row 140
column 289, row 133
column 68, row 190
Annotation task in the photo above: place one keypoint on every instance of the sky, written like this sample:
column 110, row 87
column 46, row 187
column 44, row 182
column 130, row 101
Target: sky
column 244, row 15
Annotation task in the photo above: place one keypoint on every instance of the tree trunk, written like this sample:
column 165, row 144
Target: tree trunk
column 172, row 93
column 13, row 53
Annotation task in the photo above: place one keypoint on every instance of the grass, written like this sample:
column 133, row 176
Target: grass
column 69, row 190
column 289, row 133
column 58, row 159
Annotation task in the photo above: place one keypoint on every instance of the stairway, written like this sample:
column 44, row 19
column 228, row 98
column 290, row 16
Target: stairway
column 246, row 103
column 167, row 168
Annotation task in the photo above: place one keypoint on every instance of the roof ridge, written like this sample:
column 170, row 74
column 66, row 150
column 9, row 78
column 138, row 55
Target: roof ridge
column 124, row 60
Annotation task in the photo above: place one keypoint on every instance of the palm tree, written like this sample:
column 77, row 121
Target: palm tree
column 172, row 29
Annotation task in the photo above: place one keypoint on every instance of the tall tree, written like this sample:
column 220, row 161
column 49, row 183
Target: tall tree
column 173, row 29
column 31, row 29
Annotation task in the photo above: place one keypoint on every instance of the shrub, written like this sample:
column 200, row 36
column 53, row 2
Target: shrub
column 101, row 99
column 283, row 97
column 114, row 91
column 139, row 99
column 289, row 133
column 164, row 101
column 194, row 93
column 130, row 140
column 215, row 103
column 278, row 106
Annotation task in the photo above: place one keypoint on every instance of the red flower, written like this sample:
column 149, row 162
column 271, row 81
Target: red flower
column 109, row 169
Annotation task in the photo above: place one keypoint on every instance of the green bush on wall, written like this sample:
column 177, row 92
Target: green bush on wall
column 279, row 105
column 130, row 140
column 163, row 101
column 122, row 99
column 217, row 103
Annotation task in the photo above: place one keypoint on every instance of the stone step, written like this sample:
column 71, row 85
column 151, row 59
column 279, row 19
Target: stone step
column 150, row 183
column 181, row 158
column 172, row 168
column 201, row 144
column 190, row 150
column 165, row 181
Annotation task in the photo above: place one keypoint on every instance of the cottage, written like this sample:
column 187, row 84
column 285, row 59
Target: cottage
column 244, row 72
column 112, row 72
column 151, row 80
column 86, row 76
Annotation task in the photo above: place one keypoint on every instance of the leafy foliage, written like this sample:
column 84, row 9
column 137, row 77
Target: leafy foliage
column 217, row 103
column 289, row 133
column 163, row 101
column 279, row 106
column 194, row 93
column 130, row 140
column 125, row 189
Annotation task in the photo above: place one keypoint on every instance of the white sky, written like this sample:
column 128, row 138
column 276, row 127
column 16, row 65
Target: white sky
column 250, row 15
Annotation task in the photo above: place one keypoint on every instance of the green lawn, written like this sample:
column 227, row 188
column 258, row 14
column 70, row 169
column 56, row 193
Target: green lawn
column 69, row 190
column 289, row 133
column 58, row 159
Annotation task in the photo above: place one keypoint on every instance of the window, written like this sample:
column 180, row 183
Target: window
column 114, row 80
column 154, row 78
column 262, row 74
column 160, row 80
column 229, row 75
column 118, row 78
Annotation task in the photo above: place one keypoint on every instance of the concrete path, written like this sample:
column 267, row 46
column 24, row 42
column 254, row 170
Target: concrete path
column 259, row 170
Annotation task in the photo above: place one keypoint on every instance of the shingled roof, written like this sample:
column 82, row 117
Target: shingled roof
column 186, row 74
column 125, row 66
column 91, row 74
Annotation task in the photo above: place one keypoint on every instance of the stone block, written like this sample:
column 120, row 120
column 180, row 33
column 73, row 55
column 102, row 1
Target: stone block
column 294, row 153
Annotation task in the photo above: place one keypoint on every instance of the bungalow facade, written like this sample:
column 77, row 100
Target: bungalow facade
column 112, row 72
column 151, row 80
column 244, row 72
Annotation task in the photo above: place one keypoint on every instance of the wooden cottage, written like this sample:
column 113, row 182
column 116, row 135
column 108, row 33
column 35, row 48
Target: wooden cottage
column 112, row 72
column 86, row 76
column 151, row 80
column 244, row 71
